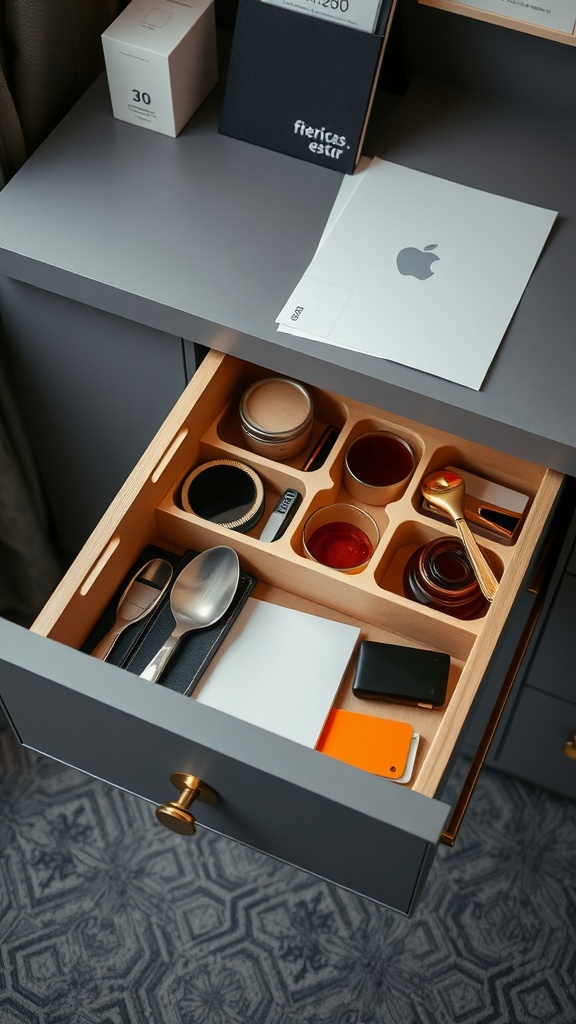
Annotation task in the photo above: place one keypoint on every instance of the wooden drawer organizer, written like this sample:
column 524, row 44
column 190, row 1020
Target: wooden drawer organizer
column 204, row 425
column 516, row 24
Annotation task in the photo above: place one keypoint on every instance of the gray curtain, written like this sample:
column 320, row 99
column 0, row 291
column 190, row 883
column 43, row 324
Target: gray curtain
column 50, row 52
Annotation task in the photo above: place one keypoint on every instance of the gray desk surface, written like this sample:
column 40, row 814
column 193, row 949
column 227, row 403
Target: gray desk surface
column 204, row 237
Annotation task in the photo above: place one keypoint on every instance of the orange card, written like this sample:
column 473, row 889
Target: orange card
column 377, row 745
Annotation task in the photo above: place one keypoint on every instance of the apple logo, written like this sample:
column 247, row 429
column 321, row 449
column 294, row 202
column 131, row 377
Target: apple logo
column 416, row 262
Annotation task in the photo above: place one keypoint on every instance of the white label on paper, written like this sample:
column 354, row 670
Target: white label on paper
column 360, row 14
column 558, row 15
column 314, row 306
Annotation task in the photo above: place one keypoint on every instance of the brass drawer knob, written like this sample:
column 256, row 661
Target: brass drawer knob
column 569, row 748
column 176, row 816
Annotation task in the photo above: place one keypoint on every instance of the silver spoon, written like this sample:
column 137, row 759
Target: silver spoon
column 445, row 490
column 140, row 597
column 203, row 591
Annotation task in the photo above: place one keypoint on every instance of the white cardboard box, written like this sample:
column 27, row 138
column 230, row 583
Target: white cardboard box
column 161, row 62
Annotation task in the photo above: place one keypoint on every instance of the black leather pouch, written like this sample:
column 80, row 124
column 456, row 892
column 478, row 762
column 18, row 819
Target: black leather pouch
column 405, row 675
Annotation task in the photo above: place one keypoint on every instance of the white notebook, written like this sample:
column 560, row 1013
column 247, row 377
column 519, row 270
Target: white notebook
column 419, row 270
column 279, row 669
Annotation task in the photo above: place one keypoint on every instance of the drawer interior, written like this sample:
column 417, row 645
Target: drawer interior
column 204, row 425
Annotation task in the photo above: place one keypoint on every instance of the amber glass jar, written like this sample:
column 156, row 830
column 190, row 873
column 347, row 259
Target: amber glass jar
column 439, row 574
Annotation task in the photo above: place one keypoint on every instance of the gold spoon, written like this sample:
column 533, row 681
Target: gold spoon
column 445, row 490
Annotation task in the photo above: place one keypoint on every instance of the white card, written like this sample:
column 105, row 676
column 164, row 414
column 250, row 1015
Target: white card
column 361, row 14
column 279, row 669
column 405, row 778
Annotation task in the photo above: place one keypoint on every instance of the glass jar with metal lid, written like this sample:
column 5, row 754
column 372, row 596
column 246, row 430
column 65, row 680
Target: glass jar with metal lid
column 277, row 416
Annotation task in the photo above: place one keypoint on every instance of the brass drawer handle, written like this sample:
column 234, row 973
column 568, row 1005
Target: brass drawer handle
column 175, row 815
column 569, row 748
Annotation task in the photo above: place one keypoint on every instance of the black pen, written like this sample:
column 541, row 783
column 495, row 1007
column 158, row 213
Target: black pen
column 321, row 449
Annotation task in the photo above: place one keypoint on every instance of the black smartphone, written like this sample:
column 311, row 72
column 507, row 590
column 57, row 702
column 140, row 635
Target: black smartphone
column 405, row 675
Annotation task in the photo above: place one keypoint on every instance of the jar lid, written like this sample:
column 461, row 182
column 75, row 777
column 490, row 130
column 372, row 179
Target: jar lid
column 276, row 409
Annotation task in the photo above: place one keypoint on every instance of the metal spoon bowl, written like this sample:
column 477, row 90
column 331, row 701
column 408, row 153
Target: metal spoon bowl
column 445, row 490
column 201, row 594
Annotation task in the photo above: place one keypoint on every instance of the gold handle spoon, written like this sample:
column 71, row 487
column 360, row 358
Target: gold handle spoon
column 445, row 490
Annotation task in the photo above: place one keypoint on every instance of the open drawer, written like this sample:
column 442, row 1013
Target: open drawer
column 359, row 830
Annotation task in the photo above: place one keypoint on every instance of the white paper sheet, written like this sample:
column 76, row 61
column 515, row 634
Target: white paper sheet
column 279, row 669
column 349, row 185
column 482, row 249
column 361, row 14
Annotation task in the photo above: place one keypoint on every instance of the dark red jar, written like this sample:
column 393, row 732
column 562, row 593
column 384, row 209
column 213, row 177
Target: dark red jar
column 439, row 574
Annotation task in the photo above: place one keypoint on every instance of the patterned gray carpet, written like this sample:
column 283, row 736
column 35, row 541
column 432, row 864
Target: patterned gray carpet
column 106, row 918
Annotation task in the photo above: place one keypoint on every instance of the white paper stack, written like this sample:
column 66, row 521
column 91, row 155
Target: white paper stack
column 362, row 14
column 280, row 669
column 419, row 270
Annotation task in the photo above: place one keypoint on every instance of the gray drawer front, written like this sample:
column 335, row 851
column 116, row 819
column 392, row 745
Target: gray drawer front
column 552, row 667
column 366, row 834
column 533, row 748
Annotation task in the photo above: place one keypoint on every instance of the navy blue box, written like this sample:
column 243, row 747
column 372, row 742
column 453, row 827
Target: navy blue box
column 301, row 85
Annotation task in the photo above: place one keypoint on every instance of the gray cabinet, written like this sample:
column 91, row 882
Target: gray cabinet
column 94, row 388
column 552, row 669
column 536, row 743
column 354, row 828
column 533, row 748
column 114, row 245
column 212, row 255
